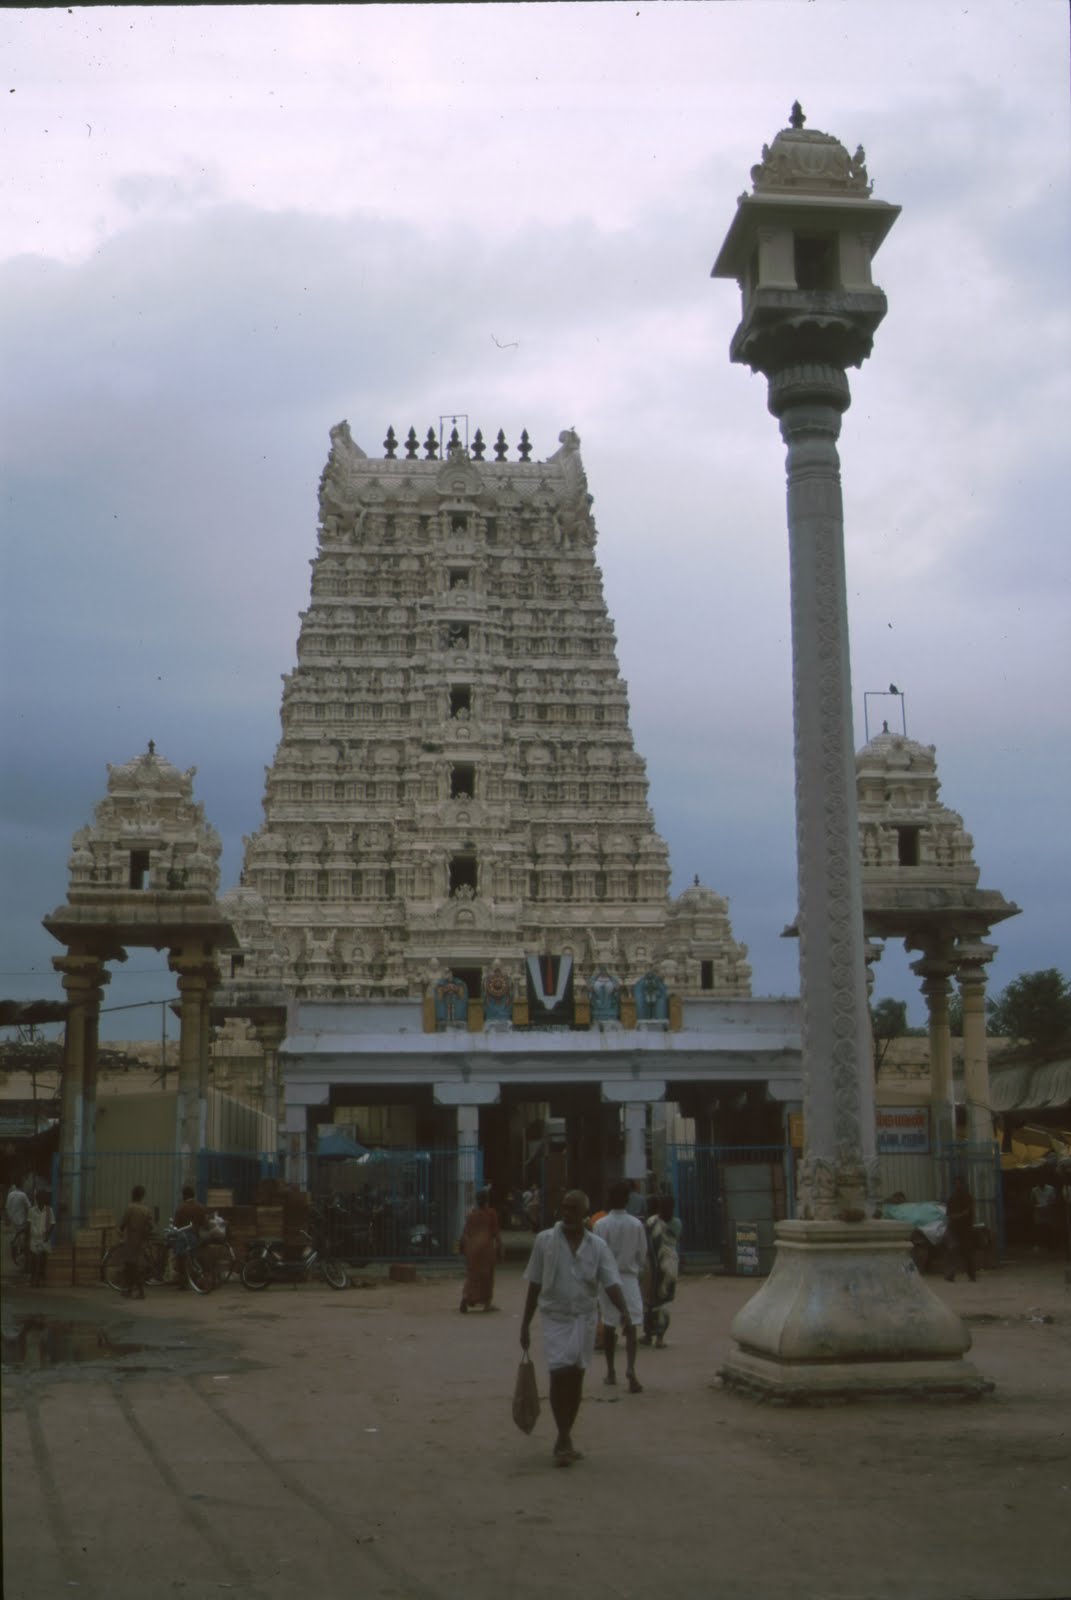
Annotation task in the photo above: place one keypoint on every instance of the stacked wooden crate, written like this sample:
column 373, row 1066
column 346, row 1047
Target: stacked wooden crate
column 241, row 1228
column 268, row 1222
column 59, row 1269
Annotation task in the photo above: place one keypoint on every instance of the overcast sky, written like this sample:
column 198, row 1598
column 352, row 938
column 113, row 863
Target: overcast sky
column 225, row 229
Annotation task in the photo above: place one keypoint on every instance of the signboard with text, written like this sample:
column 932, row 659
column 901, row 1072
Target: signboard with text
column 902, row 1128
column 747, row 1247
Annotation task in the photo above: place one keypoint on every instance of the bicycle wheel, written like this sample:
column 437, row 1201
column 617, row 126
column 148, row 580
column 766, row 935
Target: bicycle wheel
column 198, row 1275
column 154, row 1264
column 256, row 1274
column 226, row 1263
column 335, row 1274
column 113, row 1268
column 20, row 1249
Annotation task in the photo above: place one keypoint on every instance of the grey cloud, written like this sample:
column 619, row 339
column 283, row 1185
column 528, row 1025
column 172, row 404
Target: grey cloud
column 169, row 421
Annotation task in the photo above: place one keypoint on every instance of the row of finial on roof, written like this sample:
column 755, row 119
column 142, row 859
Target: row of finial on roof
column 454, row 446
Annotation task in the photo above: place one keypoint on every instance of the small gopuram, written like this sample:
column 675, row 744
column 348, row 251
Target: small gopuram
column 920, row 884
column 458, row 882
column 843, row 1312
column 143, row 873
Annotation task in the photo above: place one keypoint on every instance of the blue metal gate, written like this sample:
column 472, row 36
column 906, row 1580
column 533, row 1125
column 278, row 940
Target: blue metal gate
column 980, row 1165
column 717, row 1187
column 400, row 1203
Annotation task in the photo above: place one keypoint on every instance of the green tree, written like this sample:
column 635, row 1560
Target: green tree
column 888, row 1020
column 955, row 1014
column 1035, row 1010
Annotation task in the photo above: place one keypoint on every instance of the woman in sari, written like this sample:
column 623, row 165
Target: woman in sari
column 663, row 1231
column 481, row 1245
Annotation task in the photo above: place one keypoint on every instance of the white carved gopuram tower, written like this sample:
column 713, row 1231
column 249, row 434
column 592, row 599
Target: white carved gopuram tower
column 456, row 790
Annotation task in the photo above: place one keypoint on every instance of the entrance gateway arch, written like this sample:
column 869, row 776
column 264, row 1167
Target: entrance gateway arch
column 143, row 874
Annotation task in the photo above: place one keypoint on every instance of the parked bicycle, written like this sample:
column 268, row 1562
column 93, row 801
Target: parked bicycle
column 179, row 1245
column 218, row 1252
column 267, row 1261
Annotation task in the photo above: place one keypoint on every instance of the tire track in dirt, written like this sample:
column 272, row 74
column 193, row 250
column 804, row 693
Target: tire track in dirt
column 61, row 1532
column 411, row 1586
column 200, row 1522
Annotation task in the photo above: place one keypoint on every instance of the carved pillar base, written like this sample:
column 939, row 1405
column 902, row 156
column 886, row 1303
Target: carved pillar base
column 844, row 1314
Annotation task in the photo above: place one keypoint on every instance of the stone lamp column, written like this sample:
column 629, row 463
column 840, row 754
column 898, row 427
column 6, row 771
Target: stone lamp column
column 843, row 1311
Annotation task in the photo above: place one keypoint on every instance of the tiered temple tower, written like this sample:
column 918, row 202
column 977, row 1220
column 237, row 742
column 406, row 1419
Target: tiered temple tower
column 457, row 788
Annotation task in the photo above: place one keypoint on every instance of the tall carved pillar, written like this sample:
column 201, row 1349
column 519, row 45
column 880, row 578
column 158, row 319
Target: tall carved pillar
column 84, row 978
column 195, row 977
column 971, row 961
column 843, row 1311
column 839, row 1168
column 935, row 973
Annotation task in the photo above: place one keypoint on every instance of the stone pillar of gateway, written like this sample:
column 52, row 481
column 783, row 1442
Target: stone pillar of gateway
column 843, row 1311
column 84, row 976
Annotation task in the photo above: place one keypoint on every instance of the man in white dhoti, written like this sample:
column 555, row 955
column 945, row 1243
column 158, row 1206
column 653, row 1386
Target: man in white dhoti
column 627, row 1238
column 567, row 1269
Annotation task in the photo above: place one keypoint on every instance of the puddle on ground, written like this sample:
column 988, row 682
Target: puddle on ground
column 40, row 1341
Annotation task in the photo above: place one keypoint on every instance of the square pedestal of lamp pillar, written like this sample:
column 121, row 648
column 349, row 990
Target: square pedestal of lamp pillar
column 844, row 1315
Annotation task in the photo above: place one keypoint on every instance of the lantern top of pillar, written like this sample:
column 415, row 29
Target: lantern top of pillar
column 800, row 246
column 804, row 161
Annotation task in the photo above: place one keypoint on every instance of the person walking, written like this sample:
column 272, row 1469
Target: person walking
column 17, row 1206
column 481, row 1245
column 41, row 1220
column 627, row 1238
column 135, row 1225
column 959, row 1244
column 567, row 1268
column 663, row 1233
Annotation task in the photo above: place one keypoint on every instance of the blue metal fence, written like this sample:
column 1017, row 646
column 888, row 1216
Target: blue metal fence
column 720, row 1187
column 400, row 1203
column 979, row 1164
column 397, row 1203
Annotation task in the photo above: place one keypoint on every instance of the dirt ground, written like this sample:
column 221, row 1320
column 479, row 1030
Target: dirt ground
column 302, row 1442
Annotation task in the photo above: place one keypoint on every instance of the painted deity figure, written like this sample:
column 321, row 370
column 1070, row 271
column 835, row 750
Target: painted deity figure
column 651, row 999
column 451, row 1003
column 605, row 992
column 497, row 996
